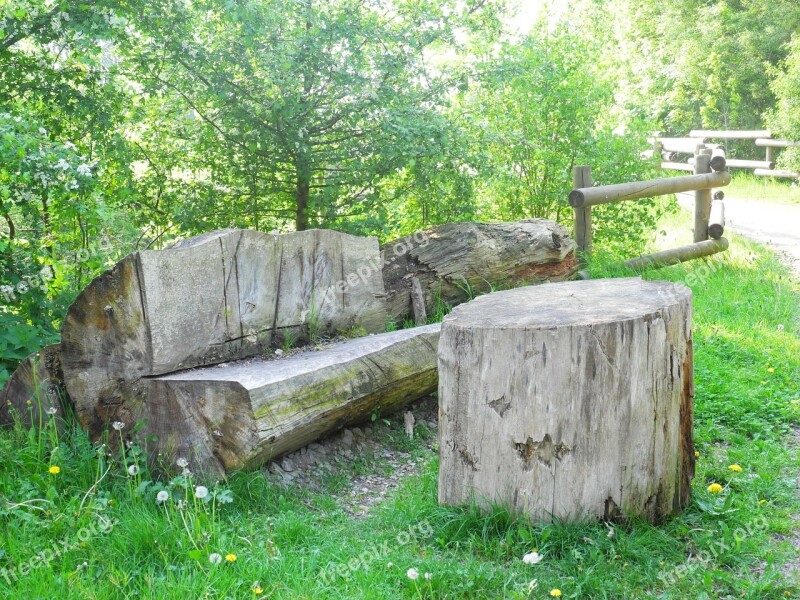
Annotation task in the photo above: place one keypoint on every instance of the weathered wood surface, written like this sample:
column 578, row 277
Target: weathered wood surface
column 582, row 178
column 35, row 389
column 716, row 222
column 680, row 145
column 673, row 256
column 242, row 414
column 457, row 260
column 705, row 134
column 750, row 164
column 636, row 190
column 719, row 161
column 777, row 173
column 569, row 400
column 702, row 198
column 218, row 297
column 769, row 143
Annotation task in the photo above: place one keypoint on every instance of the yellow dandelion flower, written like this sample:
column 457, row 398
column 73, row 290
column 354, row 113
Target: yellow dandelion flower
column 555, row 593
column 770, row 370
column 715, row 488
column 230, row 557
column 763, row 383
column 28, row 402
column 735, row 468
column 762, row 501
column 257, row 589
column 54, row 470
column 696, row 454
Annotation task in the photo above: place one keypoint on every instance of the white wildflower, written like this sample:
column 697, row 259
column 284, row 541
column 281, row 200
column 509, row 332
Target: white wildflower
column 215, row 558
column 412, row 574
column 52, row 410
column 118, row 425
column 62, row 164
column 201, row 492
column 532, row 558
column 162, row 496
column 84, row 170
column 182, row 463
column 133, row 470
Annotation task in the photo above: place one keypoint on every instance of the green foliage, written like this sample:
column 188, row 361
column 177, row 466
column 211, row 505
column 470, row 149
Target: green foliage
column 698, row 64
column 784, row 117
column 18, row 339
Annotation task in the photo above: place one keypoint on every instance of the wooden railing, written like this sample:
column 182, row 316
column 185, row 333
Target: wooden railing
column 673, row 151
column 710, row 172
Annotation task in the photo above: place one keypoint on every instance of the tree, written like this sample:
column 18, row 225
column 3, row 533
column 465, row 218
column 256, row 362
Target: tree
column 311, row 103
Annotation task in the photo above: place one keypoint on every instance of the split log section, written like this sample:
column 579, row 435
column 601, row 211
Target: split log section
column 569, row 400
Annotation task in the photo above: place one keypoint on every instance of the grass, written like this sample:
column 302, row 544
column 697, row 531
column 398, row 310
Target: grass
column 101, row 534
column 746, row 185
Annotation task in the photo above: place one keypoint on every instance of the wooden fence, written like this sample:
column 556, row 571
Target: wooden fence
column 673, row 151
column 710, row 172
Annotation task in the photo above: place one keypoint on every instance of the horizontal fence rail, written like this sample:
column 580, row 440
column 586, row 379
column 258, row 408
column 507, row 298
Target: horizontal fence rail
column 670, row 149
column 646, row 189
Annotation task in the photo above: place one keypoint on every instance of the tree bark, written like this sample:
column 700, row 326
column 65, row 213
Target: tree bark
column 569, row 400
column 457, row 261
column 302, row 198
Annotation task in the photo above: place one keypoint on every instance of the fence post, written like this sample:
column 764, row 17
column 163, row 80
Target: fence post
column 582, row 178
column 702, row 198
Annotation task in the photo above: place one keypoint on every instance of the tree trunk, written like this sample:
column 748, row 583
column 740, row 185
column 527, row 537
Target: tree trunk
column 457, row 261
column 302, row 198
column 569, row 400
column 218, row 297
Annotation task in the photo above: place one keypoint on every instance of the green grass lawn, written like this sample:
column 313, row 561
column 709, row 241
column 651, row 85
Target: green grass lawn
column 95, row 530
column 746, row 185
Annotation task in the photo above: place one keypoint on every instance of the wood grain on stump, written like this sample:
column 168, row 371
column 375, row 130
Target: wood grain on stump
column 569, row 400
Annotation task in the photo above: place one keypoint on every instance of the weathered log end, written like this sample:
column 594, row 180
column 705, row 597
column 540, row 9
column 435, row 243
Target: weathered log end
column 454, row 262
column 35, row 391
column 570, row 400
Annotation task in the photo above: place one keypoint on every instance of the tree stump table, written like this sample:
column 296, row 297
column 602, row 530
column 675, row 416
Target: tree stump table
column 569, row 400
